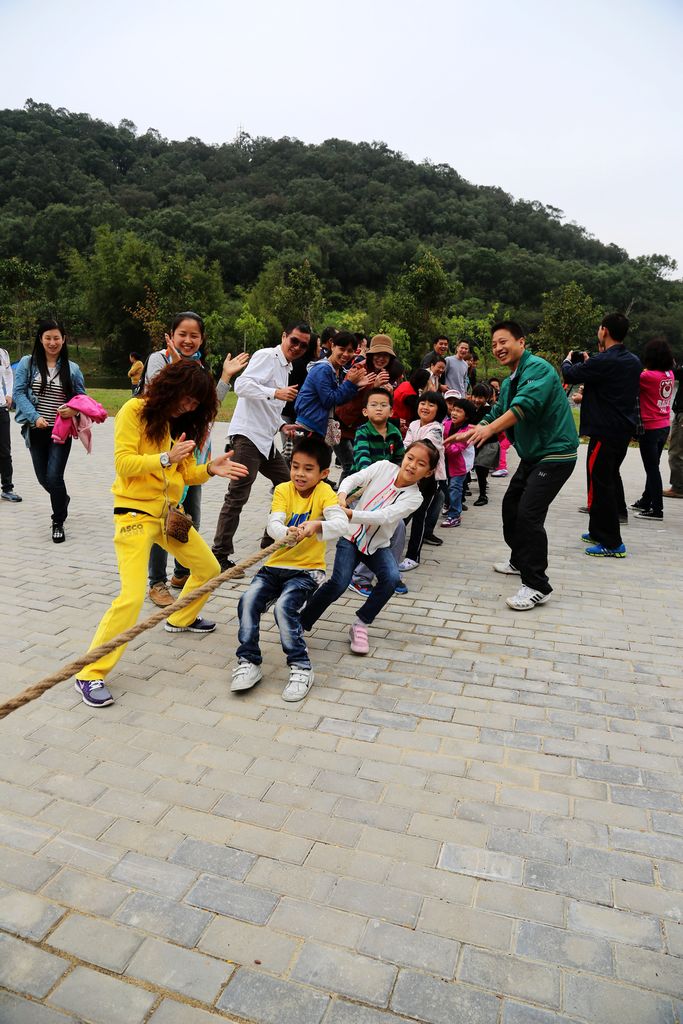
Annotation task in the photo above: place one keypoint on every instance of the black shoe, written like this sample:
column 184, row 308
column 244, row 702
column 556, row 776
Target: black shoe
column 623, row 518
column 198, row 626
column 463, row 507
column 227, row 563
column 584, row 508
column 58, row 534
column 647, row 513
column 429, row 538
column 640, row 506
column 481, row 500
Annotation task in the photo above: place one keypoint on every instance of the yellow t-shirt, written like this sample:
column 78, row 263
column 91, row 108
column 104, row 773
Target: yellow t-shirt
column 309, row 553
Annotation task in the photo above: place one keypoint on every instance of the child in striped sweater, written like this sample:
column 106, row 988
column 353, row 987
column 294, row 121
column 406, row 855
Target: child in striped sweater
column 385, row 493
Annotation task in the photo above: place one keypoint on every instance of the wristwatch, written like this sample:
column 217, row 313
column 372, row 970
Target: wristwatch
column 165, row 460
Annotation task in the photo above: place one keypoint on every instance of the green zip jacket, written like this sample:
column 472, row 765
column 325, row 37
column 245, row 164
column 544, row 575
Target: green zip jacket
column 545, row 430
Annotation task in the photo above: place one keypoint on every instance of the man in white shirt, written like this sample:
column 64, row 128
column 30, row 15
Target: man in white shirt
column 262, row 391
column 457, row 368
column 6, row 385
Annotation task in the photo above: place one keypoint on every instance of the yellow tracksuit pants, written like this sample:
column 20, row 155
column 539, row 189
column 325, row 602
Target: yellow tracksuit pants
column 134, row 534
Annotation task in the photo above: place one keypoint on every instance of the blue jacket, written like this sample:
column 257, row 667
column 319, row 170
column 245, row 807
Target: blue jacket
column 320, row 392
column 611, row 382
column 26, row 400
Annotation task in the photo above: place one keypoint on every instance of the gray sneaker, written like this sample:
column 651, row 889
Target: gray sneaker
column 244, row 676
column 507, row 568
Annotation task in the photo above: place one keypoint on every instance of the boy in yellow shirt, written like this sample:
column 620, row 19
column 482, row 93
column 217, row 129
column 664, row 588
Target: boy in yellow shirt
column 290, row 576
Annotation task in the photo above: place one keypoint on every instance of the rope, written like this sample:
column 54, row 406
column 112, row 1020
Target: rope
column 41, row 687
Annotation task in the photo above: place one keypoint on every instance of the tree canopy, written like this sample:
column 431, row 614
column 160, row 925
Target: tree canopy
column 116, row 229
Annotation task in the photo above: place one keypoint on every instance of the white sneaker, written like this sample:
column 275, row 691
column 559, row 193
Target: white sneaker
column 506, row 568
column 499, row 472
column 526, row 598
column 245, row 675
column 407, row 564
column 300, row 682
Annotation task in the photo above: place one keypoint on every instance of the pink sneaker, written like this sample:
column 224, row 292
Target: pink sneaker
column 358, row 634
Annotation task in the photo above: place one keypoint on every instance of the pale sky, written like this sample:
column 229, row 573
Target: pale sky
column 577, row 104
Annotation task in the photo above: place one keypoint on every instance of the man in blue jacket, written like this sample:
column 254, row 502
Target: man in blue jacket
column 611, row 380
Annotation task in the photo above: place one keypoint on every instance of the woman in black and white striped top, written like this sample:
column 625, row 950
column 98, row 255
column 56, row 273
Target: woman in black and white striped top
column 45, row 381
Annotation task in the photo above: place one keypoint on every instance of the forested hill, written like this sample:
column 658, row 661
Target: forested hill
column 358, row 213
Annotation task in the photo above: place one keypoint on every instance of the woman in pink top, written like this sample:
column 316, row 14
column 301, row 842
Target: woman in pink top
column 656, row 392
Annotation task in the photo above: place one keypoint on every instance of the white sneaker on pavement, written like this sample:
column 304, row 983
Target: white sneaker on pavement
column 407, row 564
column 245, row 675
column 506, row 568
column 300, row 682
column 526, row 598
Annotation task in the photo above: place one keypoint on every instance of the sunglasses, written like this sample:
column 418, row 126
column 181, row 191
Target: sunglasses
column 297, row 343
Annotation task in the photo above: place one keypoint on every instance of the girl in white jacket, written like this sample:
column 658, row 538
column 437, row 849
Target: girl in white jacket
column 384, row 493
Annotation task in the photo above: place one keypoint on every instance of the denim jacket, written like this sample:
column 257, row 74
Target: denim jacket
column 25, row 398
column 320, row 392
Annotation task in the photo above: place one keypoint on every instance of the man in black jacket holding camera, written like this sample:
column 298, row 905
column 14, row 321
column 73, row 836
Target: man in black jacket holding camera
column 608, row 418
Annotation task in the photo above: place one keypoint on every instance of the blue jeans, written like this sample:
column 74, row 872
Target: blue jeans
column 651, row 447
column 49, row 462
column 455, row 489
column 363, row 575
column 158, row 557
column 347, row 557
column 288, row 588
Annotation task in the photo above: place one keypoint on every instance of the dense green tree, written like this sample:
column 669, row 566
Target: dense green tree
column 570, row 321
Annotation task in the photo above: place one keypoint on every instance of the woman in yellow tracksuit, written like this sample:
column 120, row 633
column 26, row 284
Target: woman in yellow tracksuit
column 152, row 471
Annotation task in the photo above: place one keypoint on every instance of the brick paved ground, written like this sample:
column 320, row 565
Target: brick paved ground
column 479, row 823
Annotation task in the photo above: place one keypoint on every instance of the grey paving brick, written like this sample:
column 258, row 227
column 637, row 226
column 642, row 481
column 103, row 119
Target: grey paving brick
column 510, row 975
column 520, row 902
column 95, row 997
column 376, row 900
column 86, row 892
column 565, row 948
column 233, row 899
column 468, row 860
column 434, row 1001
column 214, row 859
column 171, row 1012
column 244, row 808
column 249, row 944
column 25, row 835
column 619, row 1003
column 650, row 970
column 335, row 970
column 646, row 899
column 518, row 1013
column 607, row 862
column 465, row 924
column 158, row 876
column 410, row 948
column 23, row 871
column 341, row 1012
column 632, row 929
column 97, row 942
column 340, row 928
column 25, row 968
column 265, row 1000
column 568, row 881
column 164, row 918
column 80, row 852
column 15, row 1010
column 27, row 915
column 181, row 970
column 526, row 845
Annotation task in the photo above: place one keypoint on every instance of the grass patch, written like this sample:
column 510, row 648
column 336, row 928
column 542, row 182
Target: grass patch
column 113, row 398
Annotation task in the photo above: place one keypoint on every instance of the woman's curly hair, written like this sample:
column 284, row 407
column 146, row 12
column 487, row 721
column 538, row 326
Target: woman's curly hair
column 185, row 379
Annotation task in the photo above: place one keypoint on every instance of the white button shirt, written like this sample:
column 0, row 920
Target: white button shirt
column 258, row 413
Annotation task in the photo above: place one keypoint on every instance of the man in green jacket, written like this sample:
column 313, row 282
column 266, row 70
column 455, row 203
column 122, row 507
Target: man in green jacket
column 533, row 411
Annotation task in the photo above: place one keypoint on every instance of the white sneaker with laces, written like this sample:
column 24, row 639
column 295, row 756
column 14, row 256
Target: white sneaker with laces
column 526, row 598
column 506, row 568
column 245, row 675
column 407, row 564
column 300, row 682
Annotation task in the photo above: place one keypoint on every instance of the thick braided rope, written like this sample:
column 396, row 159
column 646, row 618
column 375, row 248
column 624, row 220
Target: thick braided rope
column 41, row 687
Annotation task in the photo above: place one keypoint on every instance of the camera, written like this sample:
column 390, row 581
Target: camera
column 578, row 357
